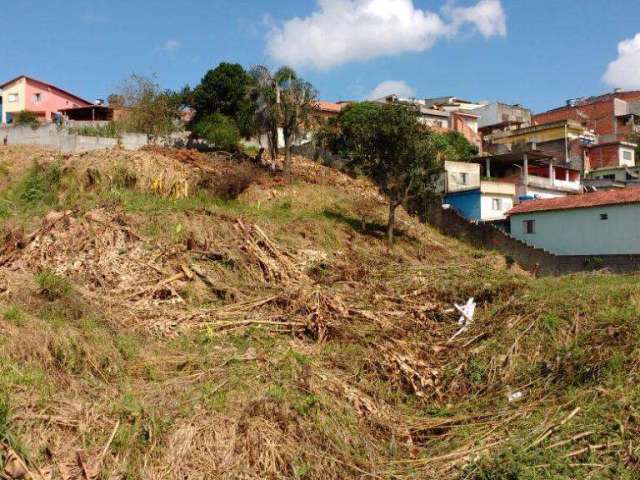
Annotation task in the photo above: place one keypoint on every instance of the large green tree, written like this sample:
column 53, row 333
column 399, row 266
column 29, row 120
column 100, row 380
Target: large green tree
column 387, row 143
column 454, row 146
column 219, row 131
column 223, row 90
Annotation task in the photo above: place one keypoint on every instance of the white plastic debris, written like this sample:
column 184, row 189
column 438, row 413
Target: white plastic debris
column 466, row 317
column 516, row 396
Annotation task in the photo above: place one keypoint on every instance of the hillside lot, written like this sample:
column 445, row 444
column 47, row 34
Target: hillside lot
column 170, row 314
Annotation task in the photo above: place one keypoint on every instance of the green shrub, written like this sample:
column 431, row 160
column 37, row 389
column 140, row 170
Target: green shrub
column 109, row 130
column 41, row 184
column 219, row 131
column 26, row 118
column 15, row 316
column 4, row 416
column 53, row 286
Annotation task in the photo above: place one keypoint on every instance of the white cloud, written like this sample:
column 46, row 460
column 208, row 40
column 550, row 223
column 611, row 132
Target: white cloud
column 624, row 72
column 171, row 45
column 341, row 31
column 390, row 87
column 487, row 16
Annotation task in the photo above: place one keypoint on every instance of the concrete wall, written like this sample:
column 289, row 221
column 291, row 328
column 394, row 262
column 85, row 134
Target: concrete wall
column 54, row 137
column 581, row 231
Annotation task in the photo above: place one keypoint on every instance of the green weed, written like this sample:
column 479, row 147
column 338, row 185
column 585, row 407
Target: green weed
column 53, row 286
column 15, row 315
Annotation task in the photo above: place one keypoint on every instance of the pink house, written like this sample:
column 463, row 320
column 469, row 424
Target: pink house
column 28, row 94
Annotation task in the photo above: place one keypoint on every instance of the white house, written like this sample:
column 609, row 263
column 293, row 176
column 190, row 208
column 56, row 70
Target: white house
column 599, row 223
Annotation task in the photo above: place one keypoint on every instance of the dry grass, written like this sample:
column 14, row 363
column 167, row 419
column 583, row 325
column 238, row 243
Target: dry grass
column 154, row 331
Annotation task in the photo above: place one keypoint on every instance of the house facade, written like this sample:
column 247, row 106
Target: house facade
column 599, row 223
column 611, row 155
column 564, row 140
column 487, row 203
column 498, row 113
column 534, row 173
column 474, row 198
column 28, row 94
column 487, row 187
column 612, row 116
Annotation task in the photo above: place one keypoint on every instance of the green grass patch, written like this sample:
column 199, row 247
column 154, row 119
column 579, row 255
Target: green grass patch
column 15, row 315
column 53, row 286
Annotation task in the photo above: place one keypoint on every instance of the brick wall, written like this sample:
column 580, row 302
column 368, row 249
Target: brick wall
column 600, row 114
column 604, row 156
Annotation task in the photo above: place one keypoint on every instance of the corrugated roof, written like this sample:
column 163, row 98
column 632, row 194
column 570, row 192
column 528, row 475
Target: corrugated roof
column 585, row 200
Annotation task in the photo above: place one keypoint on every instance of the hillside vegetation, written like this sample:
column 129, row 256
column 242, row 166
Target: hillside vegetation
column 169, row 314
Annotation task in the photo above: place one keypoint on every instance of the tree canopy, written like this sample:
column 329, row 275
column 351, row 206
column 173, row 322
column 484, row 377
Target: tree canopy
column 150, row 109
column 387, row 143
column 219, row 131
column 224, row 90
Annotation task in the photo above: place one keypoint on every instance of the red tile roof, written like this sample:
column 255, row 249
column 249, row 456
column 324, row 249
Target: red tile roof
column 586, row 200
column 328, row 106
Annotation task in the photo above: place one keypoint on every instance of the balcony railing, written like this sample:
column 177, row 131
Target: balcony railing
column 544, row 182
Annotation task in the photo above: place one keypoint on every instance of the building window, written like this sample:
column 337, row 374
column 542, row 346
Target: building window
column 464, row 178
column 37, row 97
column 529, row 227
column 627, row 155
column 496, row 204
column 609, row 177
column 604, row 216
column 13, row 97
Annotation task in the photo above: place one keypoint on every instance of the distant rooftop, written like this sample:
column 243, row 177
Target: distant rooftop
column 329, row 106
column 582, row 101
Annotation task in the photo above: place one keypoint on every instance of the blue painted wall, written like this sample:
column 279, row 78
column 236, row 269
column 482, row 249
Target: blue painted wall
column 581, row 231
column 467, row 203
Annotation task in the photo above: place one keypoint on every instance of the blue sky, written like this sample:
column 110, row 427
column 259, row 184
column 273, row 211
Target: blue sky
column 538, row 53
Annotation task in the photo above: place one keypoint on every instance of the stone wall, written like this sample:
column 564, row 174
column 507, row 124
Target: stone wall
column 483, row 235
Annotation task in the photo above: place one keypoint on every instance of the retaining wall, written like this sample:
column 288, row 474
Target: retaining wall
column 484, row 235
